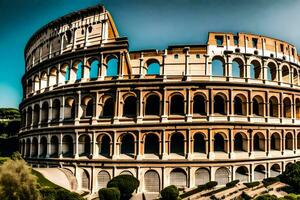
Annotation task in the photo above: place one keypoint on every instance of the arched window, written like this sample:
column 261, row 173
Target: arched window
column 285, row 74
column 130, row 107
column 127, row 144
column 28, row 147
column 255, row 70
column 67, row 146
column 85, row 180
column 259, row 173
column 36, row 83
column 273, row 109
column 44, row 80
column 177, row 105
column 153, row 67
column 199, row 106
column 104, row 145
column 35, row 145
column 259, row 142
column 222, row 176
column 219, row 142
column 29, row 86
column 53, row 76
column 54, row 147
column 218, row 67
column 202, row 176
column 152, row 105
column 289, row 141
column 237, row 68
column 275, row 170
column 242, row 174
column 240, row 142
column 78, row 69
column 69, row 110
column 103, row 178
column 219, row 105
column 152, row 181
column 177, row 144
column 43, row 146
column 45, row 112
column 199, row 143
column 94, row 68
column 257, row 103
column 151, row 144
column 275, row 141
column 36, row 115
column 112, row 66
column 84, row 145
column 287, row 111
column 239, row 105
column 56, row 110
column 108, row 108
column 271, row 72
column 295, row 78
column 178, row 178
column 65, row 72
column 29, row 116
column 89, row 110
column 298, row 108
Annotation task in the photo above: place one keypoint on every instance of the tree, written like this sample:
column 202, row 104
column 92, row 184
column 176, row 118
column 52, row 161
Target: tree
column 17, row 182
column 109, row 194
column 170, row 193
column 291, row 175
column 127, row 184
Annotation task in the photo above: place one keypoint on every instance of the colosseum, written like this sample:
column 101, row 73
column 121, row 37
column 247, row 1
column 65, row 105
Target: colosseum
column 184, row 115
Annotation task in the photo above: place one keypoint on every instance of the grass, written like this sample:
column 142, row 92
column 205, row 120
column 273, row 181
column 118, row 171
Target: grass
column 43, row 181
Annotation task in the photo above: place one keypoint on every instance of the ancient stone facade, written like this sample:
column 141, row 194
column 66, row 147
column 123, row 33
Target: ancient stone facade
column 226, row 110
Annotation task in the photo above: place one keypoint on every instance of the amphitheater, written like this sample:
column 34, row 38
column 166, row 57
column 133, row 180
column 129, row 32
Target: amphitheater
column 185, row 115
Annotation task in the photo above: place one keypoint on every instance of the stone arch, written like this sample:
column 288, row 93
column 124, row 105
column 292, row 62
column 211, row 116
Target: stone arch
column 297, row 108
column 177, row 143
column 56, row 110
column 242, row 174
column 220, row 104
column 295, row 77
column 130, row 106
column 240, row 105
column 94, row 66
column 43, row 147
column 153, row 67
column 285, row 71
column 54, row 146
column 151, row 144
column 258, row 105
column 177, row 104
column 152, row 105
column 88, row 106
column 271, row 71
column 64, row 73
column 202, row 176
column 238, row 69
column 218, row 66
column 126, row 172
column 199, row 104
column 289, row 139
column 45, row 112
column 67, row 146
column 85, row 180
column 35, row 147
column 199, row 143
column 103, row 178
column 240, row 142
column 112, row 65
column 255, row 70
column 70, row 109
column 259, row 173
column 44, row 80
column 275, row 170
column 108, row 107
column 298, row 141
column 275, row 141
column 259, row 142
column 104, row 144
column 178, row 177
column 287, row 107
column 128, row 144
column 36, row 84
column 29, row 116
column 273, row 106
column 222, row 176
column 152, row 181
column 53, row 76
column 84, row 145
column 77, row 71
column 219, row 142
column 28, row 147
column 36, row 115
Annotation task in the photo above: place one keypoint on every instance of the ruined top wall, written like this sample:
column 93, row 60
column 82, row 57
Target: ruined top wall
column 78, row 30
column 252, row 44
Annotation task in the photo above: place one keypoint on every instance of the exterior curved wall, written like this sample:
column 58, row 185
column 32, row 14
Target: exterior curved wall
column 184, row 125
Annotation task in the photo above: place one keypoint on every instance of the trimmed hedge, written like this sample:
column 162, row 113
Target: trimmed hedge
column 170, row 193
column 127, row 184
column 109, row 194
column 270, row 181
column 232, row 183
column 200, row 188
column 252, row 184
column 59, row 194
column 210, row 184
column 266, row 197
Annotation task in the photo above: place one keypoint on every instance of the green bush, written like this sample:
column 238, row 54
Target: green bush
column 266, row 197
column 211, row 184
column 252, row 184
column 291, row 176
column 59, row 194
column 232, row 183
column 270, row 181
column 48, row 193
column 109, row 194
column 127, row 184
column 170, row 193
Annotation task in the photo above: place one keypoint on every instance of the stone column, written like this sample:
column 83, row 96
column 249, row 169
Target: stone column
column 164, row 116
column 164, row 154
column 188, row 116
column 140, row 107
column 76, row 155
column 211, row 153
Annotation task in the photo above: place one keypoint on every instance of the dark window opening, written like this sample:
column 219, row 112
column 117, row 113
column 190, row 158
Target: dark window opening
column 152, row 105
column 130, row 106
column 177, row 105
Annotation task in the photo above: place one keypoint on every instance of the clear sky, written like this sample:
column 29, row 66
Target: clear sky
column 147, row 24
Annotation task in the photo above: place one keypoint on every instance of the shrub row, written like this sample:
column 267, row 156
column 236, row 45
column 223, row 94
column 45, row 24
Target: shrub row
column 200, row 188
column 252, row 184
column 270, row 181
column 59, row 194
column 232, row 183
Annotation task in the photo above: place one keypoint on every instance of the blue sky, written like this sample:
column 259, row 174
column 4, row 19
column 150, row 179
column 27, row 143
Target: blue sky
column 147, row 24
